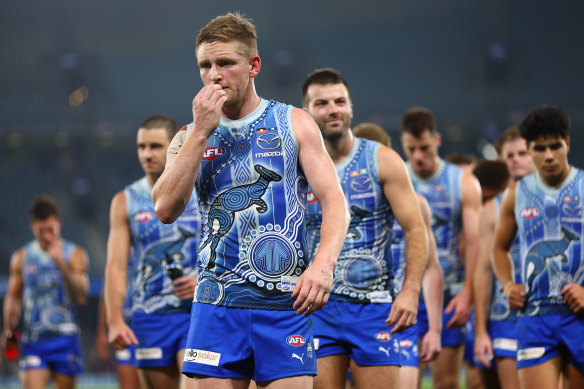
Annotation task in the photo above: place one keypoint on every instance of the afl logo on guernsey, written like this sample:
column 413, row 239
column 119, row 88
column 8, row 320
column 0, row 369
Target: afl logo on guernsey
column 213, row 152
column 310, row 197
column 143, row 216
column 529, row 212
column 295, row 340
column 383, row 336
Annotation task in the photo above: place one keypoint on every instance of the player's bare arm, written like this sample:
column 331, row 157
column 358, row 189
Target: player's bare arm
column 116, row 274
column 482, row 282
column 173, row 190
column 13, row 298
column 101, row 343
column 74, row 273
column 505, row 231
column 400, row 194
column 471, row 208
column 315, row 283
column 432, row 289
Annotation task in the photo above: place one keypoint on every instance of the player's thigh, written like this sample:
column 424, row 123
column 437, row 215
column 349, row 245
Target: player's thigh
column 331, row 372
column 575, row 377
column 408, row 377
column 34, row 378
column 375, row 377
column 206, row 382
column 296, row 382
column 128, row 376
column 185, row 382
column 446, row 367
column 507, row 372
column 542, row 376
column 474, row 378
column 167, row 377
column 62, row 381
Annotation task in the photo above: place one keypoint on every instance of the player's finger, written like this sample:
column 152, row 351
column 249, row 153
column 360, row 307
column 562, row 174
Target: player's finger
column 319, row 300
column 297, row 289
column 309, row 303
column 450, row 306
column 452, row 322
column 393, row 316
column 400, row 325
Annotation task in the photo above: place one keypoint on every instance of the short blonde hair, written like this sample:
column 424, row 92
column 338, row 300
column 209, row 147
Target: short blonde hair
column 230, row 27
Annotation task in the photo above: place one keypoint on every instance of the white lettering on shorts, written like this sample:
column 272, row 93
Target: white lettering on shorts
column 30, row 361
column 202, row 356
column 316, row 343
column 530, row 353
column 123, row 355
column 505, row 344
column 148, row 353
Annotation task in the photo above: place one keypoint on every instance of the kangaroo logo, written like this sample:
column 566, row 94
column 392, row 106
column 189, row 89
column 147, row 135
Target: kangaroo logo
column 540, row 253
column 438, row 220
column 225, row 205
column 357, row 214
column 385, row 350
column 164, row 250
column 298, row 357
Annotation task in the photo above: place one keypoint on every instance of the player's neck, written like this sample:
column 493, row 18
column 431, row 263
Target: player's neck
column 152, row 178
column 556, row 181
column 244, row 107
column 340, row 147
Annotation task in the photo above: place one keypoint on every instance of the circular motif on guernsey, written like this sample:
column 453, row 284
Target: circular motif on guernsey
column 362, row 273
column 271, row 256
column 241, row 147
column 235, row 199
column 209, row 291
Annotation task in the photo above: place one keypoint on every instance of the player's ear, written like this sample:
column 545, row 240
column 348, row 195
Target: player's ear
column 438, row 138
column 568, row 141
column 255, row 63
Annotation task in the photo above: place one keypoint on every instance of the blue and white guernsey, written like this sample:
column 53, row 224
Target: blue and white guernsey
column 549, row 222
column 363, row 270
column 48, row 309
column 443, row 190
column 252, row 196
column 155, row 245
column 499, row 308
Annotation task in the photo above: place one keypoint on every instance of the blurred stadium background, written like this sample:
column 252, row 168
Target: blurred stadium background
column 77, row 78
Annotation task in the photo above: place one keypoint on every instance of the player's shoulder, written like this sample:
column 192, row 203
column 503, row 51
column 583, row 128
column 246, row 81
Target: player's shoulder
column 18, row 255
column 304, row 125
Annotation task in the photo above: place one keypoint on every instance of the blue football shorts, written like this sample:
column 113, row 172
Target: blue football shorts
column 160, row 338
column 540, row 338
column 358, row 330
column 451, row 337
column 60, row 354
column 248, row 343
column 126, row 356
column 408, row 346
column 504, row 338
